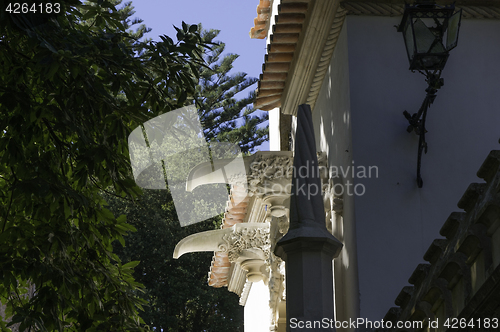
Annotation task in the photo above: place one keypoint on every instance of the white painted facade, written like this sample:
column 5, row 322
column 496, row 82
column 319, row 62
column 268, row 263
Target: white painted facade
column 257, row 314
column 359, row 122
column 332, row 125
column 385, row 221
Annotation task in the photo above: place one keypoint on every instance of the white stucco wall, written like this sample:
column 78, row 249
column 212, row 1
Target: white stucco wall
column 332, row 125
column 274, row 129
column 257, row 314
column 395, row 221
column 366, row 90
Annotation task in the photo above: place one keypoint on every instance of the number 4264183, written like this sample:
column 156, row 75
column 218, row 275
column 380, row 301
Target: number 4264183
column 34, row 8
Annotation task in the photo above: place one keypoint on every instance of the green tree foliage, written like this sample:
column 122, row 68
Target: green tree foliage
column 72, row 87
column 225, row 118
column 177, row 293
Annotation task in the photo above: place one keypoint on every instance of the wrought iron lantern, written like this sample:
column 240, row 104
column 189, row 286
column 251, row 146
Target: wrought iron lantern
column 430, row 31
column 428, row 46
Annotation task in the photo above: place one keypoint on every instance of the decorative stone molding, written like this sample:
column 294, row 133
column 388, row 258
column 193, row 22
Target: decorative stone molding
column 373, row 8
column 323, row 164
column 276, row 288
column 249, row 247
column 256, row 270
column 283, row 224
column 471, row 9
column 320, row 17
column 282, row 271
column 261, row 22
column 245, row 238
column 257, row 216
column 296, row 47
column 238, row 280
column 244, row 244
column 245, row 292
column 270, row 179
column 270, row 174
column 326, row 56
column 334, row 204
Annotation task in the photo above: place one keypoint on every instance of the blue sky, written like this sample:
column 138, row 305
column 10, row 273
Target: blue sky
column 233, row 18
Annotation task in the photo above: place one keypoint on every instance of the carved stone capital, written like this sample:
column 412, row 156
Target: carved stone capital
column 244, row 241
column 270, row 173
column 250, row 248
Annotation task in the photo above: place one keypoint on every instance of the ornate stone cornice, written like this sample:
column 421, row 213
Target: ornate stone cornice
column 326, row 56
column 372, row 8
column 471, row 9
column 309, row 51
column 256, row 218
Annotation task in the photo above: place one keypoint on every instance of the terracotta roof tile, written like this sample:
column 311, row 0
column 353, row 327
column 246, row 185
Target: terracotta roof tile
column 235, row 214
column 282, row 44
column 285, row 38
column 279, row 57
column 287, row 28
column 270, row 92
column 259, row 31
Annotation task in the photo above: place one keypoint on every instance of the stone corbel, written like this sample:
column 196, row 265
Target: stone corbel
column 442, row 285
column 250, row 248
column 269, row 179
column 246, row 244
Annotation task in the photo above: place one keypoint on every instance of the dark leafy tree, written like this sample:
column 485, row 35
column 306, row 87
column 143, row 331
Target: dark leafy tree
column 177, row 293
column 72, row 87
column 226, row 118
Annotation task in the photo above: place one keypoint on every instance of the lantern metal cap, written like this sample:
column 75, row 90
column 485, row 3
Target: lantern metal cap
column 425, row 9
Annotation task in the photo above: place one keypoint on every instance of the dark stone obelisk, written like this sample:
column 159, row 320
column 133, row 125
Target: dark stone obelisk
column 308, row 248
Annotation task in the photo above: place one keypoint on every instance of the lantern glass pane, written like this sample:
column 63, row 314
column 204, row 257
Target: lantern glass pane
column 424, row 36
column 452, row 33
column 437, row 48
column 410, row 43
